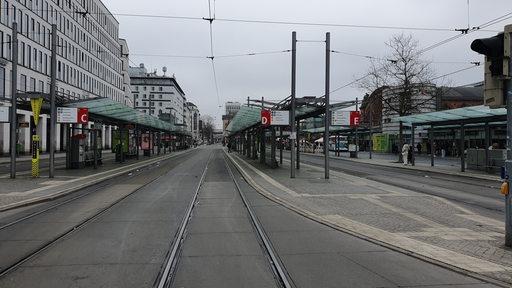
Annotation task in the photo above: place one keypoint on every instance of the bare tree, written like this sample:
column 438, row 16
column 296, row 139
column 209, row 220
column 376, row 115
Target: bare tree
column 208, row 127
column 408, row 78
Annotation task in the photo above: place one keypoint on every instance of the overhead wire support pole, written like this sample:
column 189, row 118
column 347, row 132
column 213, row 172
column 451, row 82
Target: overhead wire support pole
column 292, row 113
column 327, row 110
column 508, row 95
column 53, row 112
column 14, row 92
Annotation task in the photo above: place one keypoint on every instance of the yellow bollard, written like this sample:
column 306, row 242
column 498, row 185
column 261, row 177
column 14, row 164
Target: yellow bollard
column 35, row 155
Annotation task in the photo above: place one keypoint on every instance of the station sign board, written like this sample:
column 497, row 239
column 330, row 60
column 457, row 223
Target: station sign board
column 275, row 117
column 72, row 115
column 345, row 118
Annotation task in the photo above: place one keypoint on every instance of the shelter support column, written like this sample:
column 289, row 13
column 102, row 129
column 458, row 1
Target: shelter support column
column 462, row 148
column 281, row 144
column 297, row 141
column 431, row 141
column 273, row 160
column 262, row 146
column 411, row 149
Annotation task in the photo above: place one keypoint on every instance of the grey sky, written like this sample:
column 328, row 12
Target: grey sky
column 180, row 40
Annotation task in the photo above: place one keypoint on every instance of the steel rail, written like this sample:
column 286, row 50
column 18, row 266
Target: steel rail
column 166, row 276
column 277, row 267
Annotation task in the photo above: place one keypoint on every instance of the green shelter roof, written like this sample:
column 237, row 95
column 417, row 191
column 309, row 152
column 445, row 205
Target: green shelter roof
column 112, row 111
column 471, row 114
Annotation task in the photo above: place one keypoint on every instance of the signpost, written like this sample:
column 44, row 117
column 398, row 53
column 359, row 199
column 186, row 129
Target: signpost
column 72, row 115
column 345, row 118
column 36, row 104
column 275, row 118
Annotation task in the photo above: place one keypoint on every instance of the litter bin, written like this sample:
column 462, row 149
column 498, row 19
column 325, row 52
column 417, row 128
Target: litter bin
column 19, row 148
column 352, row 148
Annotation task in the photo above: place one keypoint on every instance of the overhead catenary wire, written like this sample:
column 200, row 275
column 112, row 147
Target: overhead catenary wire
column 212, row 18
column 212, row 57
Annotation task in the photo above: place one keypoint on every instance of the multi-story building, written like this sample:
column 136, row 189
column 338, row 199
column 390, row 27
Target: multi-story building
column 231, row 109
column 158, row 95
column 89, row 61
column 193, row 117
column 422, row 99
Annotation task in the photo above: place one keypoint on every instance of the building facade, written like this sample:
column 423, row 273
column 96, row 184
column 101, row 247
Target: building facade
column 158, row 95
column 231, row 109
column 89, row 61
column 193, row 120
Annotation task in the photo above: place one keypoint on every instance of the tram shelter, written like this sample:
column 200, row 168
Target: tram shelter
column 135, row 130
column 249, row 137
column 460, row 119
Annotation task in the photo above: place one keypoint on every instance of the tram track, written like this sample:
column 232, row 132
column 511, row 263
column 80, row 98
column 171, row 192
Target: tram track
column 169, row 270
column 143, row 176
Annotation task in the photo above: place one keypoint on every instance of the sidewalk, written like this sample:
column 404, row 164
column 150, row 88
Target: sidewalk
column 25, row 189
column 425, row 226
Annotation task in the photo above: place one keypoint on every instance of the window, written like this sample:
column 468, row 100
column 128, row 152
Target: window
column 9, row 54
column 2, row 81
column 23, row 83
column 2, row 46
column 32, row 84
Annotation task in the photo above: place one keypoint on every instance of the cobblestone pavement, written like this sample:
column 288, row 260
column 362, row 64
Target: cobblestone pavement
column 425, row 226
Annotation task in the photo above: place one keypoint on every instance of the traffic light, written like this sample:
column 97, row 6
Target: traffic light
column 497, row 56
column 492, row 48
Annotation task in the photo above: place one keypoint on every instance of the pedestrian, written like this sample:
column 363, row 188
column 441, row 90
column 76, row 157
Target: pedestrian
column 419, row 148
column 405, row 152
column 409, row 155
column 229, row 147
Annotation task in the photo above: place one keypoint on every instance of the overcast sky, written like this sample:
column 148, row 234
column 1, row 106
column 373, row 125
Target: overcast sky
column 250, row 39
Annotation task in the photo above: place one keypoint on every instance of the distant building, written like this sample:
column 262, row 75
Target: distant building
column 231, row 109
column 422, row 100
column 462, row 96
column 193, row 120
column 375, row 111
column 158, row 95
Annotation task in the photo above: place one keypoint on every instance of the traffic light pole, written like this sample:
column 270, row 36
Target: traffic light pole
column 498, row 93
column 508, row 166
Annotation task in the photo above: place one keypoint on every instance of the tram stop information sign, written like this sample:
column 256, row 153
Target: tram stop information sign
column 275, row 117
column 72, row 115
column 345, row 118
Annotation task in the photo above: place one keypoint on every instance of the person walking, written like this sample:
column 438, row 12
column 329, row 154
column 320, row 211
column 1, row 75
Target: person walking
column 405, row 153
column 418, row 147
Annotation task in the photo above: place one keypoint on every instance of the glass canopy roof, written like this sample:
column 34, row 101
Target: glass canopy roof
column 470, row 114
column 116, row 112
column 247, row 117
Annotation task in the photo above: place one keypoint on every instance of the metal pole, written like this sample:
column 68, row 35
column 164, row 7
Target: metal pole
column 327, row 112
column 53, row 113
column 462, row 147
column 14, row 91
column 371, row 121
column 508, row 164
column 292, row 113
column 357, row 134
